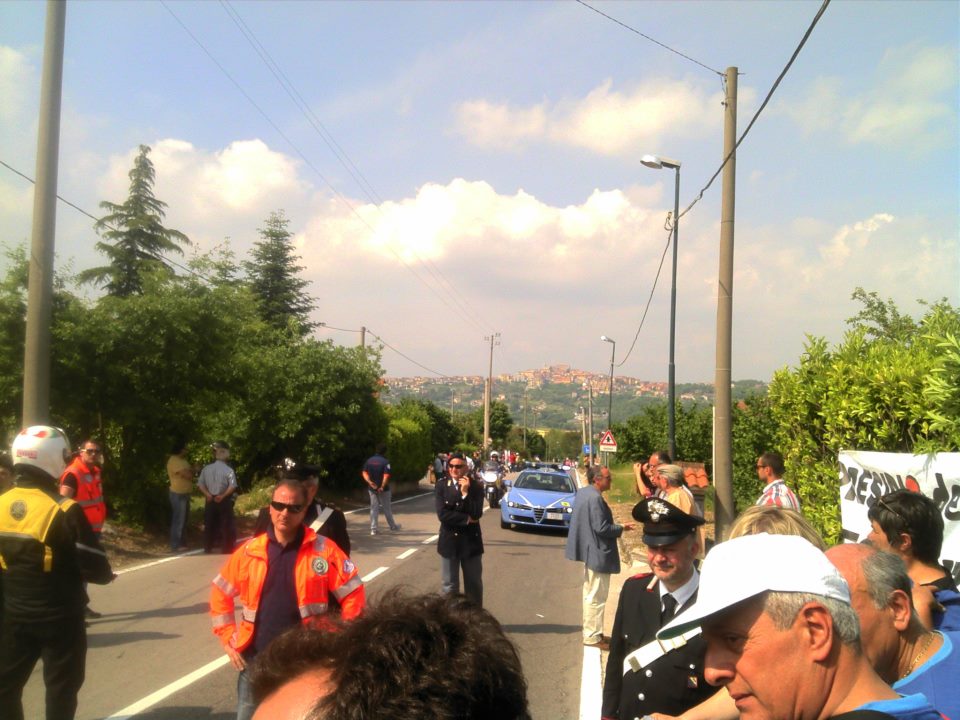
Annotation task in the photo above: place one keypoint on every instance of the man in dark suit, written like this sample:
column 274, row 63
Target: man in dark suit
column 643, row 675
column 459, row 503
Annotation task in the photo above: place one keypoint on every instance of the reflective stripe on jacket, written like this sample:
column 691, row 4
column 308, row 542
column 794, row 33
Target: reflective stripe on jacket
column 89, row 492
column 321, row 569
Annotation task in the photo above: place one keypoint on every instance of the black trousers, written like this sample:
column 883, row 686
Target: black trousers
column 62, row 644
column 218, row 526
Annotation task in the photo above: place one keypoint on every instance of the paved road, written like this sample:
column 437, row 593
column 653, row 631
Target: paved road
column 153, row 656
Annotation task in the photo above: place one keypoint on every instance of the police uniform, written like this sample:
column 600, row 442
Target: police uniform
column 642, row 678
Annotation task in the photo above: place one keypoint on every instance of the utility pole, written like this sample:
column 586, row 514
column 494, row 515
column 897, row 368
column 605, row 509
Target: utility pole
column 590, row 427
column 488, row 395
column 363, row 338
column 36, row 354
column 722, row 443
column 524, row 420
column 583, row 426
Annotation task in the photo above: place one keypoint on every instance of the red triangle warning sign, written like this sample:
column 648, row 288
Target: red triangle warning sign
column 607, row 443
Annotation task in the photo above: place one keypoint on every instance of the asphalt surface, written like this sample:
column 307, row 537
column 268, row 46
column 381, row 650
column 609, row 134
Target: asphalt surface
column 153, row 655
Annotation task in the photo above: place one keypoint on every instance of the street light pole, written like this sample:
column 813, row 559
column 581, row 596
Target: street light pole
column 657, row 163
column 613, row 354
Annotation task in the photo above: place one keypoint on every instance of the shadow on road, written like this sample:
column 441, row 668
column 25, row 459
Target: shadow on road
column 541, row 629
column 167, row 612
column 185, row 713
column 123, row 638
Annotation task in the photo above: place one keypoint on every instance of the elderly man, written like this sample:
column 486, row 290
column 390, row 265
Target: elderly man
column 592, row 540
column 644, row 676
column 218, row 483
column 783, row 639
column 284, row 577
column 904, row 653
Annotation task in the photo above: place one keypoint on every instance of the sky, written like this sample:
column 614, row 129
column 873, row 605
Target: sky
column 452, row 170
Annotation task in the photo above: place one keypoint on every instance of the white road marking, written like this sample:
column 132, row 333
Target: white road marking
column 431, row 539
column 590, row 690
column 376, row 573
column 163, row 693
column 406, row 553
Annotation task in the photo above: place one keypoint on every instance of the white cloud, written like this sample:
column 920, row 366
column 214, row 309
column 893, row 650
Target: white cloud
column 16, row 75
column 854, row 237
column 605, row 121
column 912, row 103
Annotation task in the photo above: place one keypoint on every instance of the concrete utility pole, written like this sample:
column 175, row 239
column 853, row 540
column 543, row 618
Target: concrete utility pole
column 590, row 425
column 363, row 336
column 36, row 355
column 722, row 444
column 488, row 395
column 524, row 420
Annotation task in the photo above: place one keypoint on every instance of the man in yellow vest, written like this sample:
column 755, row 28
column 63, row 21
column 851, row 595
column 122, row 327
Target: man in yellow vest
column 47, row 551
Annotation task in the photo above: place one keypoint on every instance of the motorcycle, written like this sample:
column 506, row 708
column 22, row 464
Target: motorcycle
column 492, row 486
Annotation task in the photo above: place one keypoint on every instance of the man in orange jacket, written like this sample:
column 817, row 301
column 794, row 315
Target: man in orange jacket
column 283, row 577
column 81, row 482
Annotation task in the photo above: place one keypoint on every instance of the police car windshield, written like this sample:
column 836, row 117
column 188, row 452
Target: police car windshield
column 544, row 481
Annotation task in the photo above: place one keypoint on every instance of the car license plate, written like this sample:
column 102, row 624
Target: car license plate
column 554, row 516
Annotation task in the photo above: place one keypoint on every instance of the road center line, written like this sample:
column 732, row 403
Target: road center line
column 163, row 693
column 406, row 553
column 370, row 576
column 431, row 539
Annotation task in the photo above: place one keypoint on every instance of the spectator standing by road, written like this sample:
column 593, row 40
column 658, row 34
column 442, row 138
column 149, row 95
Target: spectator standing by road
column 459, row 504
column 49, row 550
column 284, row 577
column 376, row 474
column 910, row 525
column 218, row 483
column 81, row 482
column 770, row 469
column 592, row 540
column 180, row 473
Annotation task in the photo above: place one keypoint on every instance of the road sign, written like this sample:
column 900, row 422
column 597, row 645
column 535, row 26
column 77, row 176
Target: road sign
column 607, row 443
column 586, row 449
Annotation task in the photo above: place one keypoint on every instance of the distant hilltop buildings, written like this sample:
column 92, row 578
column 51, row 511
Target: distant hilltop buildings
column 534, row 379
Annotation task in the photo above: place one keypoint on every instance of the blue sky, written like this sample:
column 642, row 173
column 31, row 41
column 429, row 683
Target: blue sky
column 500, row 145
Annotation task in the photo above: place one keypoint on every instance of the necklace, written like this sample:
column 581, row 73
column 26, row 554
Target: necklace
column 926, row 646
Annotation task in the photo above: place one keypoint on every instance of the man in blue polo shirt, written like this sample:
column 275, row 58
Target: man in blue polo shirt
column 376, row 473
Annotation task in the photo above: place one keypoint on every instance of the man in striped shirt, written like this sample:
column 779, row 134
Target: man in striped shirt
column 770, row 470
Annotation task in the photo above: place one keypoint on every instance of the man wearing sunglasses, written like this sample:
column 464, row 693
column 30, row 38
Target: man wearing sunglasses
column 81, row 482
column 459, row 503
column 770, row 469
column 284, row 577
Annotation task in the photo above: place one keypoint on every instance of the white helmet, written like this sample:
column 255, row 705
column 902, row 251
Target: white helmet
column 43, row 447
column 494, row 454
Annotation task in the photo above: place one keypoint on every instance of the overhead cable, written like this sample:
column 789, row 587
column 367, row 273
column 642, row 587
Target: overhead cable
column 647, row 37
column 649, row 299
column 763, row 105
column 365, row 186
column 406, row 357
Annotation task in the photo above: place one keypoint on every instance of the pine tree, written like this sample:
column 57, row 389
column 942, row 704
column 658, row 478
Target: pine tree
column 273, row 274
column 134, row 234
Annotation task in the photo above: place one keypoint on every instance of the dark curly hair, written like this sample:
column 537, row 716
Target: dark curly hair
column 408, row 658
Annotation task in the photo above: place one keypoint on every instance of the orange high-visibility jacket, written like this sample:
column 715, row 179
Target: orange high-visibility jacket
column 89, row 492
column 322, row 569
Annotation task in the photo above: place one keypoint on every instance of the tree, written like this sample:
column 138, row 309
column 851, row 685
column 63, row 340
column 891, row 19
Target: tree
column 273, row 273
column 135, row 235
column 889, row 386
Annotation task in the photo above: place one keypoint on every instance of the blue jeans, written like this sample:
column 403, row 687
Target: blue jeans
column 180, row 505
column 380, row 500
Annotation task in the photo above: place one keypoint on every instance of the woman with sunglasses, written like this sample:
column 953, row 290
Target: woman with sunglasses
column 910, row 525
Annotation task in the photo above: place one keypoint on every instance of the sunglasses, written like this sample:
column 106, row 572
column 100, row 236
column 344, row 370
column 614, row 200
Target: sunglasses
column 882, row 503
column 456, row 465
column 290, row 508
column 91, row 451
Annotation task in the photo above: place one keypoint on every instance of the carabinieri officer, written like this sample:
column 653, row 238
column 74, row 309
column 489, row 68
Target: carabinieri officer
column 645, row 676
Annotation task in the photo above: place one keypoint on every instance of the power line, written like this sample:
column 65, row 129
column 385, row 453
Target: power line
column 365, row 186
column 340, row 197
column 773, row 88
column 766, row 100
column 406, row 357
column 80, row 210
column 647, row 37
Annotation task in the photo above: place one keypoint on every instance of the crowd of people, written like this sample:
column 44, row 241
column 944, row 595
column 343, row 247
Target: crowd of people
column 770, row 624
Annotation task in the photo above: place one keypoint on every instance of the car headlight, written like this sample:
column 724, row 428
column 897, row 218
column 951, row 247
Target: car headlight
column 569, row 509
column 511, row 503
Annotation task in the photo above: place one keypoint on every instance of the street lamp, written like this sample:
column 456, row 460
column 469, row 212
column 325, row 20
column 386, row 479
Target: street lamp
column 658, row 163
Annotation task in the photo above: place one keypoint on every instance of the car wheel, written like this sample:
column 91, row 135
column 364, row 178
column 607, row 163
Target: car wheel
column 504, row 525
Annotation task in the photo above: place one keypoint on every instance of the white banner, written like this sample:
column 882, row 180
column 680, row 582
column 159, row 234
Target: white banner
column 866, row 476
